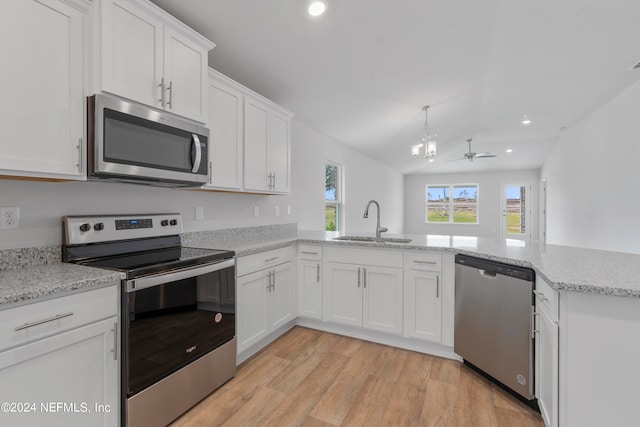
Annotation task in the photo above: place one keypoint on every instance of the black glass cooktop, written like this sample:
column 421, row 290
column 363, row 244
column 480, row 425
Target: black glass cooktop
column 162, row 260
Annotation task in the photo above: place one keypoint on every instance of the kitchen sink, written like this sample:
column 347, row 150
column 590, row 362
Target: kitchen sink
column 372, row 239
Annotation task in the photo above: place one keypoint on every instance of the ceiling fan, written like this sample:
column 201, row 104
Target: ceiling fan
column 471, row 155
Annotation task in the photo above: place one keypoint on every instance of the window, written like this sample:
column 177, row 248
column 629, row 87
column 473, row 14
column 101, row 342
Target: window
column 333, row 196
column 453, row 204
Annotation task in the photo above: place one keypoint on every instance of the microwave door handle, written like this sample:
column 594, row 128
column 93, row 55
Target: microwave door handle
column 196, row 143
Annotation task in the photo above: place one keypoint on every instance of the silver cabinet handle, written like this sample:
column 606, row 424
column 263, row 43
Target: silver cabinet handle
column 196, row 144
column 541, row 297
column 115, row 341
column 170, row 88
column 437, row 286
column 364, row 275
column 79, row 165
column 309, row 253
column 318, row 274
column 425, row 262
column 271, row 259
column 274, row 181
column 161, row 85
column 273, row 280
column 358, row 276
column 43, row 321
column 269, row 281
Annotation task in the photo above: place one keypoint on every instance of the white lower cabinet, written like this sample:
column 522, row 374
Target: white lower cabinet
column 62, row 374
column 265, row 299
column 310, row 288
column 423, row 305
column 364, row 295
column 546, row 352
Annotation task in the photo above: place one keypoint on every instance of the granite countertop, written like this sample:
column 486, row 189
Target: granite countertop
column 33, row 282
column 564, row 268
column 35, row 273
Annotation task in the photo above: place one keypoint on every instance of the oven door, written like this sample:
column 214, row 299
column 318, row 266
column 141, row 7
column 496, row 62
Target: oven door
column 132, row 142
column 173, row 319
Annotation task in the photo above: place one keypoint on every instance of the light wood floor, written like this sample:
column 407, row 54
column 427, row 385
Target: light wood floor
column 312, row 378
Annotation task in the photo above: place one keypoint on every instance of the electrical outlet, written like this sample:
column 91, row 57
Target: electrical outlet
column 256, row 211
column 9, row 217
column 199, row 213
column 288, row 209
column 276, row 211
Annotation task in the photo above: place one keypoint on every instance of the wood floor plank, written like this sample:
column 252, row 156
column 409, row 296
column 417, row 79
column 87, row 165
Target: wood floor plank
column 405, row 405
column 315, row 379
column 390, row 363
column 295, row 410
column 440, row 407
column 337, row 401
column 370, row 404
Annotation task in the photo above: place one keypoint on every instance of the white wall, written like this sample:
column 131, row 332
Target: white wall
column 364, row 178
column 593, row 179
column 42, row 204
column 489, row 209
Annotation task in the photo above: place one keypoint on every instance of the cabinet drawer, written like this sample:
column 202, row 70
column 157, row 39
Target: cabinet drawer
column 256, row 262
column 354, row 255
column 50, row 317
column 310, row 252
column 423, row 261
column 546, row 298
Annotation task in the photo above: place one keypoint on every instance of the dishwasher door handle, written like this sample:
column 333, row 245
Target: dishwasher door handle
column 485, row 273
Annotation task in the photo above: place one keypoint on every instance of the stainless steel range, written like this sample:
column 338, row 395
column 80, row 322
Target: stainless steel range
column 177, row 310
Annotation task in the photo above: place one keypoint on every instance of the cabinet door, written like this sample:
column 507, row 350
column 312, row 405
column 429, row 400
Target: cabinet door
column 185, row 75
column 280, row 152
column 382, row 299
column 281, row 295
column 225, row 138
column 343, row 296
column 310, row 289
column 76, row 368
column 423, row 305
column 43, row 89
column 256, row 138
column 252, row 308
column 547, row 364
column 132, row 52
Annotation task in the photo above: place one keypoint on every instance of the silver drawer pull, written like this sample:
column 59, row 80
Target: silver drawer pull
column 309, row 253
column 271, row 259
column 40, row 322
column 425, row 262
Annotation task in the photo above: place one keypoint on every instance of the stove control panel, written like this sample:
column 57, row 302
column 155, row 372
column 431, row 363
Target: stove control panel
column 106, row 228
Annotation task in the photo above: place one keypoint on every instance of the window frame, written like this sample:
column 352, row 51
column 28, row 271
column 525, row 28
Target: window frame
column 338, row 204
column 450, row 204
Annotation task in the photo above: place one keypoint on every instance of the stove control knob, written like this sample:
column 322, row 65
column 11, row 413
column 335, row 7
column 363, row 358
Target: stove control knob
column 85, row 227
column 164, row 222
column 99, row 226
column 174, row 222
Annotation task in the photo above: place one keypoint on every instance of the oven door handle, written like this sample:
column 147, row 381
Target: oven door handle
column 162, row 278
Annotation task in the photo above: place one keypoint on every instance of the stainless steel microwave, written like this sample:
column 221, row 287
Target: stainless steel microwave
column 129, row 142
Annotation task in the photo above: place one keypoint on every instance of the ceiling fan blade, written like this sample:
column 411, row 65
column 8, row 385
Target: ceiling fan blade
column 456, row 159
column 486, row 155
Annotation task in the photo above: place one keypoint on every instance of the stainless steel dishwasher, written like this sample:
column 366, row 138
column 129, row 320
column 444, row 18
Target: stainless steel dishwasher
column 493, row 321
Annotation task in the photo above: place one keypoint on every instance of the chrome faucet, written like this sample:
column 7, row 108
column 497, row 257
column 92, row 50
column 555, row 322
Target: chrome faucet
column 379, row 230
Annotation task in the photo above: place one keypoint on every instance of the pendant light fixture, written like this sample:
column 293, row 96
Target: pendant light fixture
column 428, row 141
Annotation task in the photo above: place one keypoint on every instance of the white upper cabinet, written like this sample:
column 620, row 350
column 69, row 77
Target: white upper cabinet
column 43, row 75
column 149, row 57
column 225, row 132
column 267, row 147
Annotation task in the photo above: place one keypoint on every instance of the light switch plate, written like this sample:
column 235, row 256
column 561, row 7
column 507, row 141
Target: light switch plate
column 276, row 211
column 199, row 213
column 256, row 211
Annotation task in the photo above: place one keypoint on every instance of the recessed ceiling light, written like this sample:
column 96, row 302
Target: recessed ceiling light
column 317, row 8
column 526, row 121
column 509, row 150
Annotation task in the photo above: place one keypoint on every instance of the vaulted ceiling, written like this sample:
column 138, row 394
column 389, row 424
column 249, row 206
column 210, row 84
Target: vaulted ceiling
column 362, row 72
